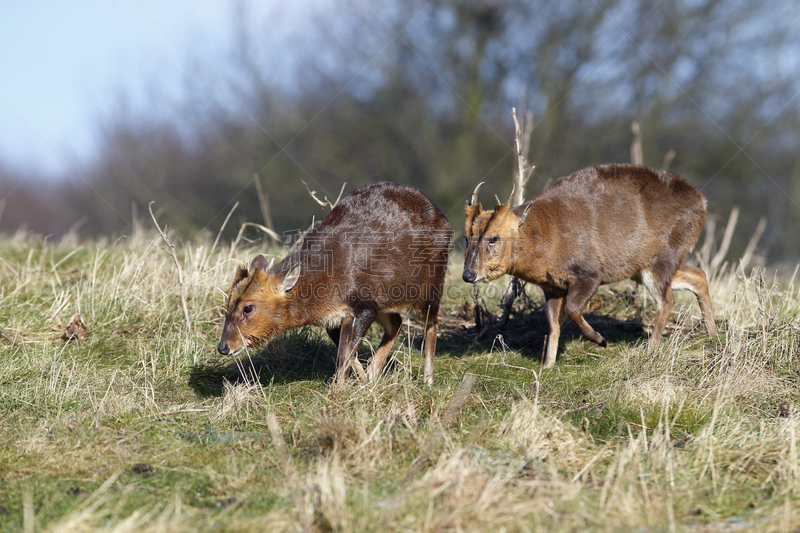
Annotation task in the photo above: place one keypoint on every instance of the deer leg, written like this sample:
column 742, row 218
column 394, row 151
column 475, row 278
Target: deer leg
column 578, row 295
column 362, row 375
column 345, row 348
column 352, row 334
column 662, row 294
column 556, row 314
column 335, row 334
column 664, row 305
column 427, row 310
column 694, row 279
column 390, row 322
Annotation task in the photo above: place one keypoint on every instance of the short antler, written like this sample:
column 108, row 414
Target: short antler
column 475, row 194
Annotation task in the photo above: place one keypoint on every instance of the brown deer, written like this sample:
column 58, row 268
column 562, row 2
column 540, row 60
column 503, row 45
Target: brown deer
column 600, row 225
column 381, row 250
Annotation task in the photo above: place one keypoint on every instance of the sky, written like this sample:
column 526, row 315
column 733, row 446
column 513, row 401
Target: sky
column 66, row 66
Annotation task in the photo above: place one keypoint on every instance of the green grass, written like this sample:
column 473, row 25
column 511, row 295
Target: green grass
column 143, row 427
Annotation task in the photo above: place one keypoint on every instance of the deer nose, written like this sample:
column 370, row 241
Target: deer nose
column 223, row 348
column 469, row 276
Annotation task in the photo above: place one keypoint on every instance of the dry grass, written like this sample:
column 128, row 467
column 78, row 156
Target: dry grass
column 140, row 427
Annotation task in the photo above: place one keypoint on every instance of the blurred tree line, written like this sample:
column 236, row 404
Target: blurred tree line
column 420, row 92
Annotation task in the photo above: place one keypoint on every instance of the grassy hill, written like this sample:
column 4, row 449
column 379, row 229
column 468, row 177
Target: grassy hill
column 141, row 426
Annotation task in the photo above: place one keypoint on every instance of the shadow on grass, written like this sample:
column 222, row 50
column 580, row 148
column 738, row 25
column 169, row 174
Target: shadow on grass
column 300, row 355
column 306, row 354
column 525, row 333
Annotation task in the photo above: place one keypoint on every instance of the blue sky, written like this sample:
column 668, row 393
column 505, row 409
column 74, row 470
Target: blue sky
column 65, row 66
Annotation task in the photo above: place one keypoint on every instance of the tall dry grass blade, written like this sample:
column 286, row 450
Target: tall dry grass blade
column 28, row 513
column 9, row 338
column 454, row 405
column 290, row 472
column 793, row 449
column 272, row 235
column 586, row 468
column 669, row 451
column 753, row 242
column 263, row 202
column 439, row 431
column 222, row 228
column 726, row 239
column 171, row 249
column 710, row 228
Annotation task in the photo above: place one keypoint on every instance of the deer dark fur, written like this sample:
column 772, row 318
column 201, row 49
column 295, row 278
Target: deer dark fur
column 381, row 250
column 600, row 225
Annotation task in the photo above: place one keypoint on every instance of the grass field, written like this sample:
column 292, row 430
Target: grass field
column 141, row 426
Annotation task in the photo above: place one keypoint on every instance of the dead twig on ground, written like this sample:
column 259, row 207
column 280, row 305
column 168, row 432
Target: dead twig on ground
column 14, row 343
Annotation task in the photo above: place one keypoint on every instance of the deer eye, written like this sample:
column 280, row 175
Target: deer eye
column 248, row 309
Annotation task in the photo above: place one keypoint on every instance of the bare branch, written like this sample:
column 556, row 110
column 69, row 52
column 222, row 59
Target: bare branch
column 636, row 146
column 314, row 195
column 527, row 130
column 522, row 141
column 274, row 236
column 171, row 250
column 326, row 202
column 340, row 195
column 668, row 159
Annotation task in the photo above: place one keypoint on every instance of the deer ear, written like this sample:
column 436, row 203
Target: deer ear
column 259, row 263
column 524, row 216
column 501, row 211
column 291, row 277
column 241, row 273
column 471, row 211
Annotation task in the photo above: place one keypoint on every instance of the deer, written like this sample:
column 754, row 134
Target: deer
column 597, row 226
column 380, row 251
